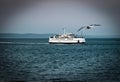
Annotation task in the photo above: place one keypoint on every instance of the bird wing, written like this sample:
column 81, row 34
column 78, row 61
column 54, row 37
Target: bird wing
column 95, row 25
column 81, row 28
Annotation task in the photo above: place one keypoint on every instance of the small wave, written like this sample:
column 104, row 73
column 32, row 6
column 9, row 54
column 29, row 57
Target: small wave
column 6, row 42
column 21, row 43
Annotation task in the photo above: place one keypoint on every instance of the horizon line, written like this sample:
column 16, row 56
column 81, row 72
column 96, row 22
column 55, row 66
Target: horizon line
column 61, row 33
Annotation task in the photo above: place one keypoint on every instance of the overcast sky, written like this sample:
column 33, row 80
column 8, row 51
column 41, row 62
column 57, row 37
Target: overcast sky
column 50, row 16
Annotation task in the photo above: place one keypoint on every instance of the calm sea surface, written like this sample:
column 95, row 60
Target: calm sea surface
column 35, row 60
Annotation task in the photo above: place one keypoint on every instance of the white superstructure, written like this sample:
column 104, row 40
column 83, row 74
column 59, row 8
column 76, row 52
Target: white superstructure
column 66, row 38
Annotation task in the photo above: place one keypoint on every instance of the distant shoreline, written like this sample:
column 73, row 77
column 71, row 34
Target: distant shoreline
column 37, row 36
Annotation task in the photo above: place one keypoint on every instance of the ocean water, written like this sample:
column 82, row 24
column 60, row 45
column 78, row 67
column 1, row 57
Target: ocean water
column 35, row 60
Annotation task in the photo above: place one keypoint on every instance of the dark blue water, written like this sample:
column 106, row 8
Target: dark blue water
column 35, row 60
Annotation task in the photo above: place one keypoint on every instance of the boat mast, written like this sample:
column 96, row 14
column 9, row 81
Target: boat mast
column 63, row 30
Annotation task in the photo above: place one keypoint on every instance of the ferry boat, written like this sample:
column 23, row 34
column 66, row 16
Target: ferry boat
column 69, row 38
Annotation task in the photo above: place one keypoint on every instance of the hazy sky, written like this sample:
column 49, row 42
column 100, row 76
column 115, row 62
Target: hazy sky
column 50, row 16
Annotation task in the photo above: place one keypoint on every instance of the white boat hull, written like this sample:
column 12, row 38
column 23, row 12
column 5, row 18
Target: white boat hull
column 66, row 40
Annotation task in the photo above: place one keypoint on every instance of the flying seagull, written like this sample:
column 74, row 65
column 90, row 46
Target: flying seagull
column 88, row 27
